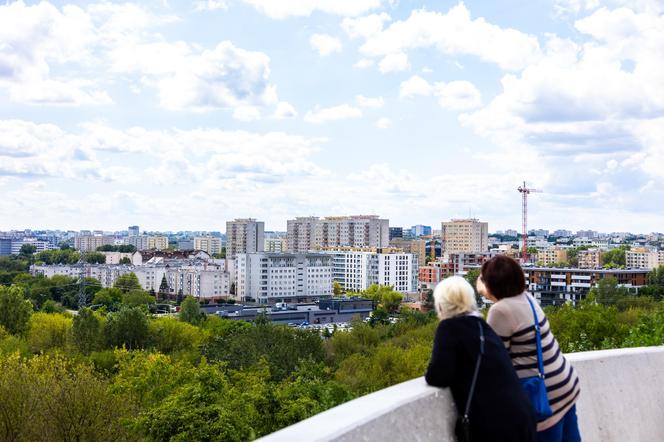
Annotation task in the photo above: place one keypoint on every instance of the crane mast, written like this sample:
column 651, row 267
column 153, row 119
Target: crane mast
column 525, row 191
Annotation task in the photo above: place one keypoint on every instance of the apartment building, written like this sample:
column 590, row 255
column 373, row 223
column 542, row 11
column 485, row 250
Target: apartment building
column 40, row 246
column 415, row 246
column 357, row 269
column 275, row 245
column 244, row 235
column 209, row 244
column 551, row 256
column 589, row 259
column 269, row 278
column 89, row 243
column 465, row 236
column 145, row 242
column 312, row 233
column 641, row 258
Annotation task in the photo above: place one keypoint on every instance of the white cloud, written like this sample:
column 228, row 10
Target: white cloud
column 394, row 63
column 415, row 86
column 211, row 5
column 455, row 33
column 365, row 26
column 372, row 102
column 335, row 113
column 285, row 110
column 280, row 9
column 363, row 63
column 325, row 44
column 246, row 113
column 383, row 123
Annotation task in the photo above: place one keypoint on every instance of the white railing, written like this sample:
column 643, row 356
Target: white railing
column 622, row 400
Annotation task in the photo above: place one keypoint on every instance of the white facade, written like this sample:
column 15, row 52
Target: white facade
column 357, row 270
column 312, row 233
column 40, row 246
column 643, row 259
column 244, row 236
column 465, row 236
column 209, row 244
column 282, row 277
column 275, row 245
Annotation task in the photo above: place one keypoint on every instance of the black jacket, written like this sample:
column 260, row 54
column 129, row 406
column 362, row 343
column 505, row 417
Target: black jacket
column 500, row 410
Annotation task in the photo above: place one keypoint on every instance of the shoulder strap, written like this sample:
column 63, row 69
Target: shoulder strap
column 477, row 370
column 538, row 339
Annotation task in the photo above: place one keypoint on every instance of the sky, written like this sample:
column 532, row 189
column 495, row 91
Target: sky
column 181, row 115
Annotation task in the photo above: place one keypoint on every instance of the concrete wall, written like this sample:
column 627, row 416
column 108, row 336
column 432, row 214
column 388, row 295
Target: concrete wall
column 622, row 399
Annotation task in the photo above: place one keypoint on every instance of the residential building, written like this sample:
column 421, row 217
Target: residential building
column 512, row 233
column 244, row 236
column 461, row 262
column 116, row 257
column 357, row 269
column 40, row 246
column 465, row 236
column 415, row 246
column 275, row 245
column 551, row 256
column 90, row 243
column 430, row 275
column 5, row 246
column 589, row 259
column 269, row 278
column 642, row 258
column 209, row 244
column 133, row 231
column 312, row 233
column 145, row 242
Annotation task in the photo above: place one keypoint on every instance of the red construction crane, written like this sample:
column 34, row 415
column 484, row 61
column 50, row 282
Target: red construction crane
column 525, row 191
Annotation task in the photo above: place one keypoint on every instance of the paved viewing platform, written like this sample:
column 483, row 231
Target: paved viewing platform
column 622, row 400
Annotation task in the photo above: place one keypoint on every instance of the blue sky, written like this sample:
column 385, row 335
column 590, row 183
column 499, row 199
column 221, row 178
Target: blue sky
column 181, row 115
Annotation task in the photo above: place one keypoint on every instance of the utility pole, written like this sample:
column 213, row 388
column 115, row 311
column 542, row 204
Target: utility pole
column 525, row 191
column 82, row 299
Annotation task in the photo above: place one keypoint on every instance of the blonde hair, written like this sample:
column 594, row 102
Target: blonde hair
column 454, row 296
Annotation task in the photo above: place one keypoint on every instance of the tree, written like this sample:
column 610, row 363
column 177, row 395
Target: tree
column 163, row 288
column 15, row 310
column 384, row 296
column 49, row 331
column 125, row 260
column 137, row 297
column 472, row 276
column 127, row 327
column 27, row 250
column 608, row 292
column 337, row 289
column 108, row 297
column 190, row 311
column 128, row 282
column 615, row 258
column 86, row 331
column 94, row 258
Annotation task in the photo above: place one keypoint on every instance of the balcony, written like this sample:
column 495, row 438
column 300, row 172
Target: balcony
column 622, row 399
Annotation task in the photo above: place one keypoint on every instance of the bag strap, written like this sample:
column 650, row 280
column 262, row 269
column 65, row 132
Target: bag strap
column 538, row 339
column 477, row 370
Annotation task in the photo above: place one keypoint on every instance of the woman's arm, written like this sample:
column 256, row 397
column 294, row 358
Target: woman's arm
column 442, row 366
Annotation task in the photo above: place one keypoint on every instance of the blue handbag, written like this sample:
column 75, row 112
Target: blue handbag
column 534, row 386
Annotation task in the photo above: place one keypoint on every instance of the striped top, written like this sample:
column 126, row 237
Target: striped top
column 512, row 319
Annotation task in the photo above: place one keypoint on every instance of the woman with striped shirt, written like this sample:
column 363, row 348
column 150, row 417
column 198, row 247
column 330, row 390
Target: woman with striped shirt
column 502, row 281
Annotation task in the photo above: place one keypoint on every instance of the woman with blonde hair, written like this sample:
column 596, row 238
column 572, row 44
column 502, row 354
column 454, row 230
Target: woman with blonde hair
column 470, row 359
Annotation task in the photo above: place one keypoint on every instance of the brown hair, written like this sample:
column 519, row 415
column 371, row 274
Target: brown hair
column 503, row 276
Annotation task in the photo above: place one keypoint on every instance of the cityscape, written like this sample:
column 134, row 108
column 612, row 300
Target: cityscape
column 331, row 220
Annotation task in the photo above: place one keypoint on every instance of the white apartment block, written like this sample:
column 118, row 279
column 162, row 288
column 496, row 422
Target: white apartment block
column 643, row 259
column 244, row 236
column 283, row 277
column 590, row 259
column 145, row 242
column 209, row 244
column 357, row 270
column 312, row 233
column 550, row 256
column 40, row 246
column 275, row 245
column 89, row 243
column 465, row 236
column 115, row 257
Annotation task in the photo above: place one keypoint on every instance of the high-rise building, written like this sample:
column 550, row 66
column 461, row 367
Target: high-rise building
column 145, row 242
column 133, row 231
column 551, row 256
column 415, row 246
column 275, row 245
column 209, row 244
column 465, row 236
column 420, row 230
column 5, row 246
column 283, row 277
column 244, row 236
column 589, row 259
column 89, row 243
column 396, row 232
column 356, row 270
column 642, row 258
column 311, row 233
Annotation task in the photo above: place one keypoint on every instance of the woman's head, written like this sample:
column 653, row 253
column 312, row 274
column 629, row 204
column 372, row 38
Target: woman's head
column 501, row 277
column 454, row 296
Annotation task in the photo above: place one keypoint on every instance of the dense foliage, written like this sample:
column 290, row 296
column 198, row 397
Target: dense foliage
column 120, row 373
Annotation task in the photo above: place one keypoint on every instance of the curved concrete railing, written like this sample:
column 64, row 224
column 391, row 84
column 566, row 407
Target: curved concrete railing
column 622, row 399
